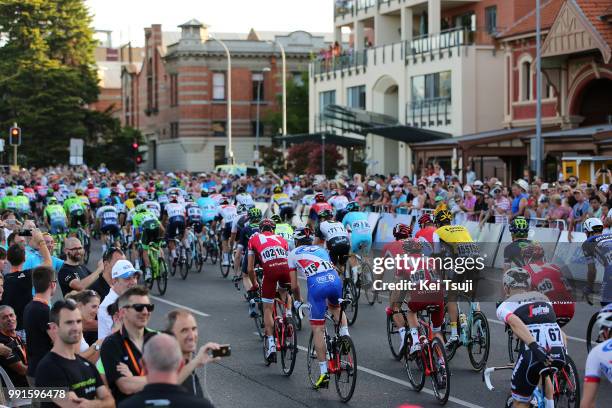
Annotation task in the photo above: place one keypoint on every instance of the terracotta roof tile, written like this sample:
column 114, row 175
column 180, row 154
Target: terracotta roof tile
column 527, row 23
column 593, row 10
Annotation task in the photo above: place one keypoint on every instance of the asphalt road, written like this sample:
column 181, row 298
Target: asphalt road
column 243, row 380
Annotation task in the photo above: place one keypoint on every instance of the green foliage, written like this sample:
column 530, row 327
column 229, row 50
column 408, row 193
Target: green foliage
column 297, row 108
column 114, row 148
column 48, row 78
column 272, row 158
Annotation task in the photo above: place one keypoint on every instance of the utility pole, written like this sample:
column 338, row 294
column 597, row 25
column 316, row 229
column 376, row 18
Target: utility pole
column 538, row 141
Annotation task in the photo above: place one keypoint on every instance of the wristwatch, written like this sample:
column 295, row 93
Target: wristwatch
column 97, row 347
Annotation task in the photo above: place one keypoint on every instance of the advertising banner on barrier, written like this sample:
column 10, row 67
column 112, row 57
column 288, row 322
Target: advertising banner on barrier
column 384, row 230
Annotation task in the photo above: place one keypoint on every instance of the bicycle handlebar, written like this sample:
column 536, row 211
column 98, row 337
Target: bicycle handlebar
column 486, row 375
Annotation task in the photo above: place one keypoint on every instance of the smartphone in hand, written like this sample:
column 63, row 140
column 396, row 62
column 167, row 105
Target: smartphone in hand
column 224, row 351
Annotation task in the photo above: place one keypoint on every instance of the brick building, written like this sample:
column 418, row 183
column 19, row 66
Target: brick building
column 178, row 96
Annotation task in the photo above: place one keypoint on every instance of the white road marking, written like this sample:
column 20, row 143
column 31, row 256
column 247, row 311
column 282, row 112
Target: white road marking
column 194, row 311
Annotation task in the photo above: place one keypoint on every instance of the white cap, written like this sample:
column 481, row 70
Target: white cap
column 123, row 269
column 477, row 183
column 359, row 188
column 467, row 188
column 544, row 186
column 372, row 183
column 498, row 183
column 522, row 184
column 604, row 188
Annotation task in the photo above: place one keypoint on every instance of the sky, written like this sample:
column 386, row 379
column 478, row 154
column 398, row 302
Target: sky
column 127, row 18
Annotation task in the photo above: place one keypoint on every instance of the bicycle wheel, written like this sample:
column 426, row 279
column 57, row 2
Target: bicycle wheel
column 259, row 323
column 162, row 279
column 346, row 376
column 394, row 338
column 367, row 283
column 440, row 375
column 479, row 342
column 592, row 334
column 312, row 363
column 568, row 380
column 288, row 346
column 225, row 269
column 214, row 252
column 87, row 246
column 199, row 261
column 514, row 346
column 349, row 291
column 185, row 261
column 413, row 364
column 447, row 332
column 175, row 264
column 296, row 317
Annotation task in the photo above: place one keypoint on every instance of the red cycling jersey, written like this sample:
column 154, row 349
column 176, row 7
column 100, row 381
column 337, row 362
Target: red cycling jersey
column 426, row 233
column 316, row 208
column 271, row 252
column 93, row 194
column 548, row 279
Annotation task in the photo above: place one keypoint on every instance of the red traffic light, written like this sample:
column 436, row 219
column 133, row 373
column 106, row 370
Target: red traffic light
column 15, row 132
column 138, row 159
column 135, row 145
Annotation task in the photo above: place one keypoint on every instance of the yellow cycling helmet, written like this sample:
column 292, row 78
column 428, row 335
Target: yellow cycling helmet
column 443, row 217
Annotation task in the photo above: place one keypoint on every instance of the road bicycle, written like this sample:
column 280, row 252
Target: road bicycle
column 194, row 259
column 83, row 237
column 285, row 335
column 565, row 382
column 393, row 336
column 474, row 333
column 593, row 334
column 59, row 239
column 365, row 278
column 210, row 246
column 349, row 292
column 430, row 361
column 255, row 296
column 341, row 357
column 181, row 262
column 159, row 267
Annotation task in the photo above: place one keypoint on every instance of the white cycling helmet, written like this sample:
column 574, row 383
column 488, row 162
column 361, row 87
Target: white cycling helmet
column 592, row 225
column 517, row 278
column 604, row 319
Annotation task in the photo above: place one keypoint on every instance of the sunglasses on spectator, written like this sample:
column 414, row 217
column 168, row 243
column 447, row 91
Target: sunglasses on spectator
column 139, row 307
column 74, row 249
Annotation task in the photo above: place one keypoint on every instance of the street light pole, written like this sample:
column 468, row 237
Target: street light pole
column 284, row 107
column 539, row 147
column 259, row 84
column 229, row 99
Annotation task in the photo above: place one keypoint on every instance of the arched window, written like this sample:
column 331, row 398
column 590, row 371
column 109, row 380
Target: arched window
column 525, row 79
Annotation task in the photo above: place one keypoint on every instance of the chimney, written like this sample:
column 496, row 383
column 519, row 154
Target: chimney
column 193, row 32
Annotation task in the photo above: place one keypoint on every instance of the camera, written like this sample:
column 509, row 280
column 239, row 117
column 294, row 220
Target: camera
column 25, row 233
column 224, row 351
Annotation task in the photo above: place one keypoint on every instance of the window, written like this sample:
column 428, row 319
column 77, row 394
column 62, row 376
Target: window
column 173, row 89
column 219, row 86
column 258, row 86
column 431, row 86
column 467, row 21
column 491, row 19
column 219, row 128
column 254, row 128
column 174, row 130
column 297, row 78
column 219, row 155
column 525, row 78
column 326, row 98
column 356, row 97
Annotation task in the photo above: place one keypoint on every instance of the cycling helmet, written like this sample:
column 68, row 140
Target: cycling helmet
column 352, row 206
column 592, row 225
column 224, row 200
column 533, row 252
column 303, row 235
column 72, row 195
column 173, row 198
column 324, row 214
column 255, row 215
column 276, row 218
column 141, row 208
column 52, row 200
column 412, row 246
column 132, row 195
column 240, row 190
column 517, row 278
column 604, row 318
column 241, row 209
column 267, row 225
column 519, row 227
column 425, row 219
column 78, row 191
column 319, row 197
column 89, row 185
column 443, row 217
column 402, row 231
column 108, row 201
column 278, row 189
column 204, row 192
column 56, row 187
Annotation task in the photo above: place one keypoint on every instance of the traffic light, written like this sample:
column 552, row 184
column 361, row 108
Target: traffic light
column 135, row 146
column 15, row 136
column 138, row 159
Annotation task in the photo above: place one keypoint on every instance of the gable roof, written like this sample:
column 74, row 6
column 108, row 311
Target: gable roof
column 596, row 12
column 527, row 23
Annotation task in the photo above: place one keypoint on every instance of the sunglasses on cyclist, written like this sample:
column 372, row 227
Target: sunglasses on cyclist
column 139, row 307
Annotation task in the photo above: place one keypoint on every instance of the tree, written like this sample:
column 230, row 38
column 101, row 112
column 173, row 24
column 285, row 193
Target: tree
column 297, row 107
column 49, row 77
column 111, row 148
column 305, row 158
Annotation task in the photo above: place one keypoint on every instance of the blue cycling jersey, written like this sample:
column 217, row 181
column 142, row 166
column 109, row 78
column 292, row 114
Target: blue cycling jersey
column 209, row 208
column 599, row 248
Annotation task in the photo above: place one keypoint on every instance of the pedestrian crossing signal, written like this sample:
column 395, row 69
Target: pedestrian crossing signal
column 15, row 136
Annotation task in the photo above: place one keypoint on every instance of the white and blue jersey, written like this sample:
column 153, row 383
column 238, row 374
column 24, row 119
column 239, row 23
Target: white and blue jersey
column 209, row 209
column 324, row 284
column 599, row 248
column 361, row 230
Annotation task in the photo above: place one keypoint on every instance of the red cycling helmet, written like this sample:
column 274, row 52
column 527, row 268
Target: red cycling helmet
column 90, row 185
column 319, row 197
column 402, row 231
column 425, row 219
column 267, row 225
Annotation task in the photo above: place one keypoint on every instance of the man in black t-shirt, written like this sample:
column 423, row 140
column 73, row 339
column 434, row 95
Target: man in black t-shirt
column 15, row 364
column 73, row 275
column 162, row 363
column 62, row 368
column 36, row 318
column 109, row 258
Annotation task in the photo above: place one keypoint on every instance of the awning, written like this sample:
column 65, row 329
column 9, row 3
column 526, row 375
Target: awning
column 409, row 134
column 331, row 138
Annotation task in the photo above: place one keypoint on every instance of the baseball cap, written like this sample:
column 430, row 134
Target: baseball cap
column 372, row 183
column 477, row 183
column 544, row 187
column 604, row 188
column 123, row 269
column 522, row 184
column 467, row 188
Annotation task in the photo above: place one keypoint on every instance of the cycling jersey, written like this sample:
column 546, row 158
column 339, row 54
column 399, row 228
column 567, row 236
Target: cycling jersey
column 245, row 199
column 324, row 285
column 336, row 239
column 426, row 234
column 548, row 279
column 285, row 231
column 209, row 208
column 194, row 212
column 271, row 253
column 93, row 194
column 361, row 230
column 84, row 200
column 599, row 363
column 8, row 203
column 109, row 219
column 176, row 220
column 513, row 253
column 227, row 213
column 599, row 248
column 56, row 217
column 316, row 208
column 74, row 206
column 338, row 202
column 244, row 235
column 22, row 204
column 537, row 313
column 154, row 207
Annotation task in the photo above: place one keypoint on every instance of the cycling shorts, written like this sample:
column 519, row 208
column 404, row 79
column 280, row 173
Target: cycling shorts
column 58, row 227
column 77, row 218
column 340, row 214
column 323, row 288
column 361, row 239
column 286, row 212
column 339, row 252
column 526, row 373
column 111, row 229
column 148, row 236
column 272, row 276
column 312, row 215
column 176, row 227
column 226, row 231
column 196, row 224
column 437, row 316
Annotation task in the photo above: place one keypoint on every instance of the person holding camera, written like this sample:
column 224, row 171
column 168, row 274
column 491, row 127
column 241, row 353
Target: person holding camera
column 162, row 361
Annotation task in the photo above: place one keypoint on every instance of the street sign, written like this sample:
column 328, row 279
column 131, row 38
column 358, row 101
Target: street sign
column 76, row 152
column 1, row 145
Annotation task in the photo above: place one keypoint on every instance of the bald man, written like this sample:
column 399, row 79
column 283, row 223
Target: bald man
column 162, row 360
column 73, row 275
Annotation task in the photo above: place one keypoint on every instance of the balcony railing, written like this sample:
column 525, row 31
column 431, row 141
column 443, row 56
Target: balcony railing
column 348, row 60
column 440, row 41
column 429, row 112
column 343, row 7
